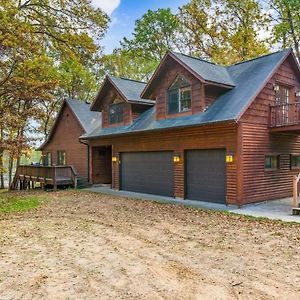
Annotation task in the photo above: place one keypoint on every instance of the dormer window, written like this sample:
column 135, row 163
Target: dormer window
column 179, row 96
column 116, row 111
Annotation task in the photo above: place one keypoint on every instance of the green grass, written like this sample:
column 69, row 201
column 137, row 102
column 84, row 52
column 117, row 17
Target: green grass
column 19, row 203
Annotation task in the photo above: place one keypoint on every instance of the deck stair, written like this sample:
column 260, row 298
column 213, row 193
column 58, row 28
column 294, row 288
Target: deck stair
column 27, row 176
column 82, row 182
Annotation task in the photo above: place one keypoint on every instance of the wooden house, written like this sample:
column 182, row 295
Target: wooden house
column 201, row 131
column 62, row 147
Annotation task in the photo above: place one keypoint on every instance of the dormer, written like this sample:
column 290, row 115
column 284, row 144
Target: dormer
column 119, row 101
column 183, row 85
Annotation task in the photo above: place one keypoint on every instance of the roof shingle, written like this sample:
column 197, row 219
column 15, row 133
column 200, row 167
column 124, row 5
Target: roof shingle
column 88, row 119
column 207, row 70
column 249, row 78
column 131, row 89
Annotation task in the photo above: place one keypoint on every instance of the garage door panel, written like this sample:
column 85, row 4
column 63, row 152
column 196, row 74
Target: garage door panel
column 147, row 172
column 206, row 175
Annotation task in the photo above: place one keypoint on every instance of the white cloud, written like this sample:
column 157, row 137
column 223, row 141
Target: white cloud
column 106, row 5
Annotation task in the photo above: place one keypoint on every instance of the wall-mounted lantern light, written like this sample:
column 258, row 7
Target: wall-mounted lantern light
column 276, row 87
column 229, row 157
column 114, row 159
column 297, row 94
column 176, row 159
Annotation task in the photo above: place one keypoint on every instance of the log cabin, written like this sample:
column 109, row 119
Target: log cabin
column 62, row 146
column 201, row 131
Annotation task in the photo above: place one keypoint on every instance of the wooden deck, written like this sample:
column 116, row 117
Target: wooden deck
column 26, row 176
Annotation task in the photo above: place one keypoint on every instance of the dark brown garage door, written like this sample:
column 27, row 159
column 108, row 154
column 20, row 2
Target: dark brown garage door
column 206, row 175
column 147, row 172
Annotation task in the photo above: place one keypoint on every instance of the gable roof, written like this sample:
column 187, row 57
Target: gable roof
column 129, row 89
column 249, row 78
column 87, row 119
column 205, row 71
column 209, row 71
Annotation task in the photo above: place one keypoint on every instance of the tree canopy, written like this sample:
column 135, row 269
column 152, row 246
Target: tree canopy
column 51, row 50
column 48, row 49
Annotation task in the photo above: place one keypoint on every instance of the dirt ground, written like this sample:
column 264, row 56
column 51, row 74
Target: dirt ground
column 88, row 246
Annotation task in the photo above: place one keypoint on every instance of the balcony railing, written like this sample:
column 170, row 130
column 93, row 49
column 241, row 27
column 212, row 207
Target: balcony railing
column 285, row 114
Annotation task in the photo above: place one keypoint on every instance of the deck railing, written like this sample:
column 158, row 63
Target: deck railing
column 46, row 174
column 284, row 114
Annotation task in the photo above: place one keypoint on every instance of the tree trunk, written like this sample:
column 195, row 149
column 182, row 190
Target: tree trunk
column 1, row 159
column 1, row 170
column 10, row 169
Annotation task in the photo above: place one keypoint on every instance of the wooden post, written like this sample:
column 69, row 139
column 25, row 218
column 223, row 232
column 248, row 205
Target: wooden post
column 54, row 178
column 75, row 182
column 295, row 191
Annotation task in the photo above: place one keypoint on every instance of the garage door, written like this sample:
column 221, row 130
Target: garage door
column 147, row 172
column 206, row 175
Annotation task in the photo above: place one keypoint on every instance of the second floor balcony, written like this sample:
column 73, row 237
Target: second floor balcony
column 285, row 117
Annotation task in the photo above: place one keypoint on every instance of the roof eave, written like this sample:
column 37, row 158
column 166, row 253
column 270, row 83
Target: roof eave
column 53, row 127
column 214, row 83
column 56, row 122
column 156, row 130
column 93, row 105
column 178, row 60
column 142, row 102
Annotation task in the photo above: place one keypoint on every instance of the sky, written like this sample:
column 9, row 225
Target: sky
column 124, row 13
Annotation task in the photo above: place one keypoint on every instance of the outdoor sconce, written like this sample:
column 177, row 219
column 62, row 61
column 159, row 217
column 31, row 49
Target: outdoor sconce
column 276, row 87
column 229, row 158
column 114, row 159
column 176, row 159
column 297, row 94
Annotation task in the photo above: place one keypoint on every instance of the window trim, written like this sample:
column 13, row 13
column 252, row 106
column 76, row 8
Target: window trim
column 288, row 90
column 179, row 90
column 277, row 155
column 58, row 158
column 294, row 167
column 120, row 104
column 48, row 153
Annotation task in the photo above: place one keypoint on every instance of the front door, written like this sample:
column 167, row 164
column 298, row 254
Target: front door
column 102, row 170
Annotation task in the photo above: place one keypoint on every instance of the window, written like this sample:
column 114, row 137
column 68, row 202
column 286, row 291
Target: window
column 281, row 94
column 47, row 159
column 282, row 99
column 271, row 162
column 179, row 96
column 295, row 161
column 116, row 113
column 61, row 158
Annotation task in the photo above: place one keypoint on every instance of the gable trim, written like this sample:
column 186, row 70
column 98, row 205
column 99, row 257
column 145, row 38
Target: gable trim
column 106, row 80
column 54, row 126
column 169, row 54
column 184, row 65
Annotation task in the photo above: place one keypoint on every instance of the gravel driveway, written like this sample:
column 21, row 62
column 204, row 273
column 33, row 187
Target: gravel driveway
column 88, row 246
